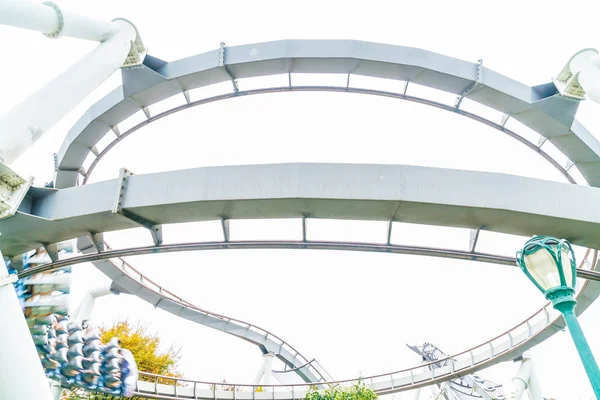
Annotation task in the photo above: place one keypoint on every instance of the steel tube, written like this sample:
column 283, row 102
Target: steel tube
column 46, row 19
column 22, row 126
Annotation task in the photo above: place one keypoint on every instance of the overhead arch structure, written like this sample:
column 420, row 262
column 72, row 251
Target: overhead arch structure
column 540, row 108
column 367, row 192
column 407, row 194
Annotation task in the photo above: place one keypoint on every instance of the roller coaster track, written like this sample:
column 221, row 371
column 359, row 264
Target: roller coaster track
column 314, row 190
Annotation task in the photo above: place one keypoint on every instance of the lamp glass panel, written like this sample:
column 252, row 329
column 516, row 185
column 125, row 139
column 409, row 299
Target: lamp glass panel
column 543, row 269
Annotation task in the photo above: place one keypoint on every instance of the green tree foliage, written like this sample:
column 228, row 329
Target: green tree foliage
column 145, row 347
column 357, row 392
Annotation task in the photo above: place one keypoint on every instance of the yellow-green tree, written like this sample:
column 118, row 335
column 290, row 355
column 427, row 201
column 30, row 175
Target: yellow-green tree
column 145, row 347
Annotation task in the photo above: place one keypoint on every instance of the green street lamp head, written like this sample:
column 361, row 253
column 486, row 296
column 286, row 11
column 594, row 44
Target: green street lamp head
column 550, row 264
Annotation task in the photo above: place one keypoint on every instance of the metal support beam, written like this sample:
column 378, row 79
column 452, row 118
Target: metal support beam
column 96, row 243
column 569, row 165
column 471, row 87
column 504, row 120
column 52, row 251
column 155, row 230
column 473, row 238
column 17, row 262
column 13, row 189
column 223, row 64
column 115, row 130
column 304, row 228
column 389, row 231
column 541, row 141
column 146, row 111
column 526, row 379
column 225, row 228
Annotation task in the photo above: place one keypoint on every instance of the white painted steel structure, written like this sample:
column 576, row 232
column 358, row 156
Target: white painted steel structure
column 324, row 191
column 20, row 128
column 410, row 194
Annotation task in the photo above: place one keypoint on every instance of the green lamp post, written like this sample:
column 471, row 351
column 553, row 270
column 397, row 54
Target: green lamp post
column 550, row 264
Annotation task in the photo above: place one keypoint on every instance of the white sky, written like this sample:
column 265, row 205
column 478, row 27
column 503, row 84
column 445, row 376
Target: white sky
column 352, row 311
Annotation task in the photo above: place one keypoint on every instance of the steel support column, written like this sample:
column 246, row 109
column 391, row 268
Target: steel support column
column 21, row 374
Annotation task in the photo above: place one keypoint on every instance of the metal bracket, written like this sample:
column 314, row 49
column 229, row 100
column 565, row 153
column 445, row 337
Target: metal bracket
column 567, row 83
column 121, row 184
column 389, row 231
column 541, row 141
column 61, row 20
column 8, row 280
column 116, row 131
column 186, row 94
column 52, row 251
column 96, row 242
column 471, row 87
column 146, row 111
column 225, row 228
column 137, row 52
column 155, row 230
column 474, row 236
column 17, row 262
column 569, row 165
column 13, row 190
column 504, row 120
column 222, row 64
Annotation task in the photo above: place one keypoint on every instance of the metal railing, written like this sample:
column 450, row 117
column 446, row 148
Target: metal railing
column 467, row 361
column 148, row 283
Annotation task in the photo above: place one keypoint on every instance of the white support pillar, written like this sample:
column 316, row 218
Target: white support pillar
column 21, row 374
column 56, row 390
column 22, row 126
column 265, row 373
column 84, row 310
column 526, row 379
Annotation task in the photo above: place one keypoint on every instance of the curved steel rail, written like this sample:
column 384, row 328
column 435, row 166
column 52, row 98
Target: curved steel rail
column 282, row 244
column 541, row 325
column 400, row 96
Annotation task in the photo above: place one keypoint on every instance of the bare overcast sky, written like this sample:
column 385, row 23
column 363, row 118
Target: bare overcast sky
column 354, row 312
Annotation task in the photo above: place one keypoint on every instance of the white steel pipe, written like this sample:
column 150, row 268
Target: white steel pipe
column 51, row 20
column 85, row 308
column 22, row 126
column 57, row 390
column 21, row 374
column 526, row 379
